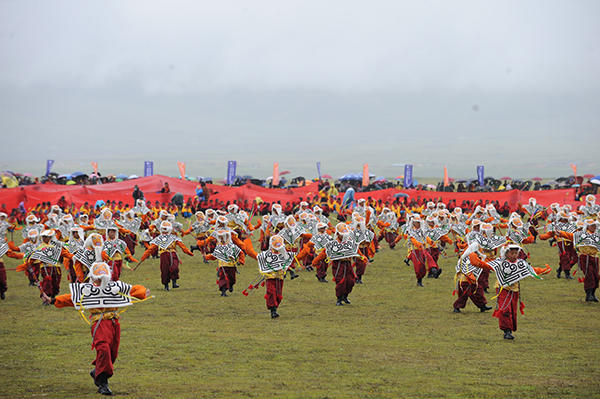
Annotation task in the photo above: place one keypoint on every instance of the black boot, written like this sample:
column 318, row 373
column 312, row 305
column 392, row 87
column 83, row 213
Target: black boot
column 93, row 375
column 103, row 388
column 223, row 291
column 588, row 296
column 406, row 261
column 420, row 282
column 431, row 273
column 194, row 248
column 339, row 301
column 231, row 288
column 568, row 275
column 558, row 270
column 508, row 335
column 486, row 290
column 274, row 313
column 439, row 271
column 457, row 310
column 593, row 292
column 345, row 299
column 359, row 280
column 32, row 283
column 309, row 268
column 175, row 285
column 293, row 274
column 2, row 296
column 484, row 308
column 167, row 287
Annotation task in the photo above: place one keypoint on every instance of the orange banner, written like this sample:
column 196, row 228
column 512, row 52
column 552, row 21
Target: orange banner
column 95, row 166
column 365, row 181
column 275, row 174
column 574, row 167
column 181, row 169
column 446, row 181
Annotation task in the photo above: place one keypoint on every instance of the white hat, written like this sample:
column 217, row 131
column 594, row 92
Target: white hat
column 166, row 227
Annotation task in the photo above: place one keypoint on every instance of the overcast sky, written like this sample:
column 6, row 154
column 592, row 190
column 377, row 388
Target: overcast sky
column 511, row 85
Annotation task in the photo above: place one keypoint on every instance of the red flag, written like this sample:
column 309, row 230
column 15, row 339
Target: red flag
column 95, row 166
column 446, row 182
column 181, row 169
column 365, row 181
column 574, row 167
column 275, row 174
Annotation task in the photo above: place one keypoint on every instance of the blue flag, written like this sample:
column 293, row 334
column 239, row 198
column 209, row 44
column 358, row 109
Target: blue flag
column 319, row 169
column 480, row 176
column 408, row 177
column 231, row 166
column 148, row 168
column 49, row 164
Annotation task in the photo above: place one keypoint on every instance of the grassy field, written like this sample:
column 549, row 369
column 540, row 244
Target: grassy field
column 394, row 340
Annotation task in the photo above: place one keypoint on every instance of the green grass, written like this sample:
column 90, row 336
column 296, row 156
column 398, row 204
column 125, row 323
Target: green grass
column 394, row 340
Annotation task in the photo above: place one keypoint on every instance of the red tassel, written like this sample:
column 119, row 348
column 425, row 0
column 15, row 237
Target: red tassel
column 453, row 292
column 266, row 296
column 521, row 307
column 244, row 293
column 496, row 313
column 575, row 272
column 256, row 286
column 580, row 280
column 262, row 284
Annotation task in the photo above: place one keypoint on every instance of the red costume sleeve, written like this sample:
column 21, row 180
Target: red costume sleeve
column 564, row 234
column 446, row 239
column 184, row 248
column 151, row 250
column 138, row 291
column 319, row 258
column 544, row 236
column 477, row 262
column 14, row 255
column 12, row 246
column 531, row 239
column 62, row 301
column 416, row 243
column 249, row 249
column 305, row 251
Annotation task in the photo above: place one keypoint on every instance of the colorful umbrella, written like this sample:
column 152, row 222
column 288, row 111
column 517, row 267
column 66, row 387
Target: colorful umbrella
column 70, row 183
column 588, row 176
column 399, row 177
column 285, row 172
column 537, row 179
column 506, row 178
column 9, row 181
column 326, row 177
